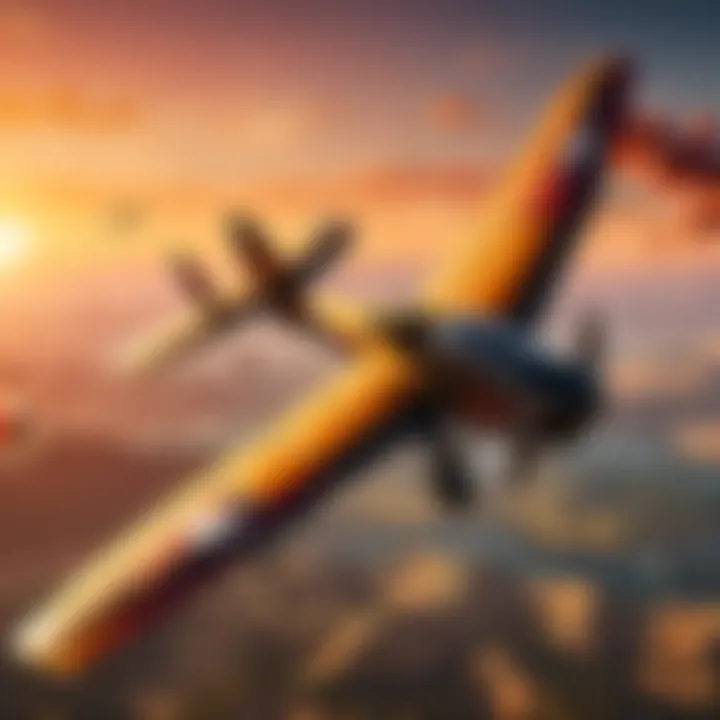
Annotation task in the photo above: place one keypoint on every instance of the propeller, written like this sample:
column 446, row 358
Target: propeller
column 526, row 447
column 531, row 433
column 591, row 340
column 526, row 439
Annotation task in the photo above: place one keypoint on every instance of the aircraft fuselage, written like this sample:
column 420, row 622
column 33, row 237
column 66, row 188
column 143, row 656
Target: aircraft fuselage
column 495, row 375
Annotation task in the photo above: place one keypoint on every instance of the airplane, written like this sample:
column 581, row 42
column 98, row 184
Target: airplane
column 468, row 350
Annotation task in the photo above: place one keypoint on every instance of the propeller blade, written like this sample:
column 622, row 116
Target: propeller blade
column 591, row 340
column 527, row 444
column 524, row 458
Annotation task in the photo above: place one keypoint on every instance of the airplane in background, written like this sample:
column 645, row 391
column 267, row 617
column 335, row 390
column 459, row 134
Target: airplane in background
column 468, row 350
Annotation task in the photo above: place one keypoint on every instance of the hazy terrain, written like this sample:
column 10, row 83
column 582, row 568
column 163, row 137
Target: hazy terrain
column 594, row 593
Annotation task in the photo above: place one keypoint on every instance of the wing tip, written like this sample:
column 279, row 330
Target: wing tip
column 603, row 90
column 612, row 75
column 26, row 649
column 617, row 66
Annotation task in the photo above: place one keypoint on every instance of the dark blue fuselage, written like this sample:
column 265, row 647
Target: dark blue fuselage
column 501, row 361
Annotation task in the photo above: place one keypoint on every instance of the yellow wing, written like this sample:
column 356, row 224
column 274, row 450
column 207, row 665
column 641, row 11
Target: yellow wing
column 222, row 514
column 530, row 222
column 340, row 323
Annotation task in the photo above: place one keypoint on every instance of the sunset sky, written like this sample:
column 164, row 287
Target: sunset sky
column 140, row 123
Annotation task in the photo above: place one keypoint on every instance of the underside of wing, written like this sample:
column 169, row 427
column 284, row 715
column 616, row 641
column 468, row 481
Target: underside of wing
column 530, row 223
column 232, row 508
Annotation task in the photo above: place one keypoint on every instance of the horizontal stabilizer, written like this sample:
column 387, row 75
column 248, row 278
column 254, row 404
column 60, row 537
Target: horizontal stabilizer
column 193, row 280
column 175, row 340
column 251, row 248
column 324, row 249
column 276, row 284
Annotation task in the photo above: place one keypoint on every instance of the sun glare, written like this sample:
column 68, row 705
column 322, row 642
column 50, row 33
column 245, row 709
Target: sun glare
column 15, row 242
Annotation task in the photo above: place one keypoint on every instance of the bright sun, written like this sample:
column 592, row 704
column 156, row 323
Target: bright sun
column 15, row 242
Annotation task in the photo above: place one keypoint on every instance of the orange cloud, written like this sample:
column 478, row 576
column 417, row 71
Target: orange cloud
column 285, row 128
column 21, row 25
column 383, row 186
column 454, row 114
column 448, row 182
column 404, row 212
column 488, row 58
column 65, row 110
